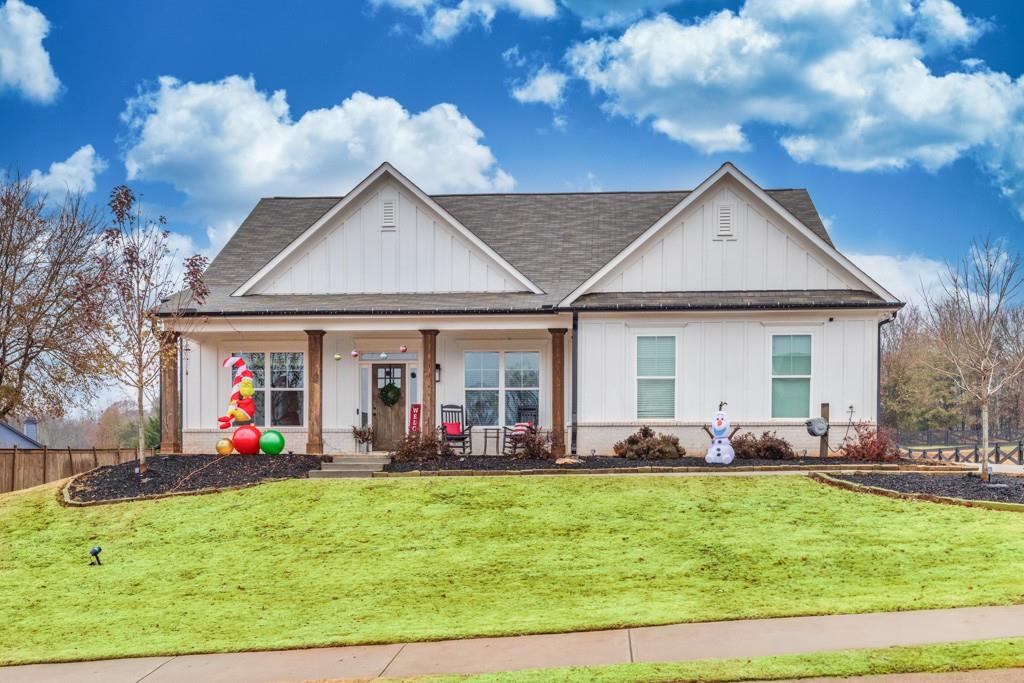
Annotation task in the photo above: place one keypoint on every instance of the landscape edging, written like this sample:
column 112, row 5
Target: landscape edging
column 921, row 497
column 654, row 469
column 65, row 499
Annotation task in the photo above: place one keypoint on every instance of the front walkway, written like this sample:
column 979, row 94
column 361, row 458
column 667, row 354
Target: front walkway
column 679, row 642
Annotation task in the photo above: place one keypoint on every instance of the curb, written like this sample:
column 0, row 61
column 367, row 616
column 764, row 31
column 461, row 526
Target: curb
column 921, row 497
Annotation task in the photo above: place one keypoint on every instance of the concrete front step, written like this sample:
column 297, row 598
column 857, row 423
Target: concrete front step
column 340, row 474
column 353, row 460
column 352, row 466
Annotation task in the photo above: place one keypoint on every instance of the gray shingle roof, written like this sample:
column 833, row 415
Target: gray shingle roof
column 556, row 240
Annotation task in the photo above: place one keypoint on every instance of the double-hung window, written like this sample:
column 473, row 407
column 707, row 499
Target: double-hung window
column 656, row 377
column 286, row 388
column 791, row 375
column 502, row 387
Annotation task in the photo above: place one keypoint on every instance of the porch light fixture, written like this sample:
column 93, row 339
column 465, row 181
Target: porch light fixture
column 437, row 372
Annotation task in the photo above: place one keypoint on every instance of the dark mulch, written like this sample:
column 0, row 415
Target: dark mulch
column 493, row 462
column 946, row 485
column 173, row 473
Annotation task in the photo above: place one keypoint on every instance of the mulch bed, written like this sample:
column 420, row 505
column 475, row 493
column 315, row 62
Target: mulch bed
column 181, row 473
column 945, row 485
column 494, row 462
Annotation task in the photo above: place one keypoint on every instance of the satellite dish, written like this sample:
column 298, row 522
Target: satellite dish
column 817, row 426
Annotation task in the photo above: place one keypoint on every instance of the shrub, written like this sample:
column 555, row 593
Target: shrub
column 415, row 446
column 872, row 445
column 531, row 445
column 768, row 446
column 646, row 445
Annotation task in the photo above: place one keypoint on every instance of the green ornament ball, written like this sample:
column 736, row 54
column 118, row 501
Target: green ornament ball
column 272, row 442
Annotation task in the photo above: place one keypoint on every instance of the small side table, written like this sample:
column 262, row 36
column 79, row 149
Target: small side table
column 493, row 433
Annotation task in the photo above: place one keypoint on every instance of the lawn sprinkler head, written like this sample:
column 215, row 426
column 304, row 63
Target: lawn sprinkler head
column 95, row 552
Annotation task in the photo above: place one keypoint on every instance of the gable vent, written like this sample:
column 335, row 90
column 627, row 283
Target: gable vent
column 389, row 219
column 724, row 221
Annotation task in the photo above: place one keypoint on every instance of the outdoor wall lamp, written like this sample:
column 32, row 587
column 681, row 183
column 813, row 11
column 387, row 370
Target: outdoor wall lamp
column 437, row 372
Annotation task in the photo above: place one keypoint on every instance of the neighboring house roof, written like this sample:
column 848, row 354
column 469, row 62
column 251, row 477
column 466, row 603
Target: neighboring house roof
column 11, row 437
column 557, row 240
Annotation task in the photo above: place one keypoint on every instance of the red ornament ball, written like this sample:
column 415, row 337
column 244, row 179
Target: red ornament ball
column 246, row 440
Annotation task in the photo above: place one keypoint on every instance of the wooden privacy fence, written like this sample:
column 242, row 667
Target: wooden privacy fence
column 999, row 453
column 22, row 468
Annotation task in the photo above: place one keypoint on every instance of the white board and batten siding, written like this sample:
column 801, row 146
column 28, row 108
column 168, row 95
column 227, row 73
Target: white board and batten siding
column 388, row 242
column 727, row 360
column 730, row 241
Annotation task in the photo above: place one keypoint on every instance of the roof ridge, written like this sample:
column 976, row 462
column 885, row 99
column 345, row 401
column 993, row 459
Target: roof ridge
column 535, row 194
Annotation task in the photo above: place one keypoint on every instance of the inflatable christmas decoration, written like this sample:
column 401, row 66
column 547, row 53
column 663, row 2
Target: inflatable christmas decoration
column 241, row 406
column 247, row 439
column 720, row 451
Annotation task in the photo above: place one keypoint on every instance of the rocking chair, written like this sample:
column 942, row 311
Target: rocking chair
column 454, row 430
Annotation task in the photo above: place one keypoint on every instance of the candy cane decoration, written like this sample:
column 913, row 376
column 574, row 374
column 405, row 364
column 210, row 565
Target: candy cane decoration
column 241, row 372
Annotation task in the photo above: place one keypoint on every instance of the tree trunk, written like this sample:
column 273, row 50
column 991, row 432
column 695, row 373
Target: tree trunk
column 984, row 440
column 141, row 451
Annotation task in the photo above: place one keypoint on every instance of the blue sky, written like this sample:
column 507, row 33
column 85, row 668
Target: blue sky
column 904, row 118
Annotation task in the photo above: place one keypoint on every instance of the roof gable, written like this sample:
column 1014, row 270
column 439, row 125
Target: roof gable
column 687, row 250
column 385, row 236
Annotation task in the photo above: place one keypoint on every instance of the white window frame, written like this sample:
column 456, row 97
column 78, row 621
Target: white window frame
column 242, row 346
column 501, row 350
column 676, row 333
column 772, row 376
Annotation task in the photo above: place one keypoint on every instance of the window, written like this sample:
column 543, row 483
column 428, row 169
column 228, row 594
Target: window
column 502, row 383
column 656, row 377
column 286, row 386
column 791, row 375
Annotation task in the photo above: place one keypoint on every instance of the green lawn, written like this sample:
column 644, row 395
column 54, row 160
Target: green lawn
column 306, row 563
column 982, row 654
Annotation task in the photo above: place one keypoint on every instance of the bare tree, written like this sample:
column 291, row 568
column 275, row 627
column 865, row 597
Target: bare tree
column 145, row 276
column 977, row 327
column 52, row 294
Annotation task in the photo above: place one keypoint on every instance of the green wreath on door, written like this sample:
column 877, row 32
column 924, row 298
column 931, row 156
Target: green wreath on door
column 389, row 394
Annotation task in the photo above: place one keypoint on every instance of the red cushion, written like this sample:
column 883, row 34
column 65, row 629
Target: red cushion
column 452, row 428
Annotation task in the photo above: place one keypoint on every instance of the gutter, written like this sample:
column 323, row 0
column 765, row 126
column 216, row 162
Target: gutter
column 878, row 371
column 575, row 374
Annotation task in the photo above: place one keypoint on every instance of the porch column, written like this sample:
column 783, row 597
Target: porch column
column 315, row 393
column 429, row 385
column 170, row 437
column 557, row 392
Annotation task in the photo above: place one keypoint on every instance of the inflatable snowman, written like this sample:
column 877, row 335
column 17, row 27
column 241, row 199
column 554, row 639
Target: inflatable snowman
column 720, row 451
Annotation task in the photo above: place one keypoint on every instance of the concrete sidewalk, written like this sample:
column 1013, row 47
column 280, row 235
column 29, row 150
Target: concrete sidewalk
column 680, row 642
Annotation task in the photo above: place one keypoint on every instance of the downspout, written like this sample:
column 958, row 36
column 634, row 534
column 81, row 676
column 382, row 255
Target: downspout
column 575, row 363
column 878, row 371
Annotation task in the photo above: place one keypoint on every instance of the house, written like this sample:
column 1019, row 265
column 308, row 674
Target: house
column 601, row 311
column 12, row 437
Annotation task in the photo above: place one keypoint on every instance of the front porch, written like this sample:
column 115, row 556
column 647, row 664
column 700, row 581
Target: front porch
column 318, row 381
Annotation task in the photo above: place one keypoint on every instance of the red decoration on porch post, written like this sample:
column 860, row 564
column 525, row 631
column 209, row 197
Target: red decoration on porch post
column 415, row 413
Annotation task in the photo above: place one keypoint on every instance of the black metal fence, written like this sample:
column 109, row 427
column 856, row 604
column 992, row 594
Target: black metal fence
column 954, row 437
column 999, row 453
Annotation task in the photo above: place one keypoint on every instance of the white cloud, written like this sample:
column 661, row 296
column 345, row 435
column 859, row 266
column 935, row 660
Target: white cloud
column 845, row 83
column 75, row 174
column 599, row 15
column 906, row 276
column 24, row 62
column 559, row 122
column 445, row 19
column 545, row 86
column 512, row 57
column 225, row 143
